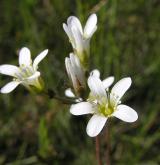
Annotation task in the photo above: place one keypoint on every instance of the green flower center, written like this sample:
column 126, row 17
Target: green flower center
column 105, row 109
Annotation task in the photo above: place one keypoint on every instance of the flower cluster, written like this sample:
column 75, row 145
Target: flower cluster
column 90, row 94
column 100, row 101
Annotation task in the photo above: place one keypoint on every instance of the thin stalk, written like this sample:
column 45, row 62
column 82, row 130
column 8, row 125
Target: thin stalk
column 108, row 162
column 52, row 95
column 98, row 151
column 64, row 100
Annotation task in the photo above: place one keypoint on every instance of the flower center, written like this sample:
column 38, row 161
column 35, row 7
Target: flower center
column 25, row 72
column 105, row 109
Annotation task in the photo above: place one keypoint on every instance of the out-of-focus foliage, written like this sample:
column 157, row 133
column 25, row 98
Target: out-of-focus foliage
column 36, row 130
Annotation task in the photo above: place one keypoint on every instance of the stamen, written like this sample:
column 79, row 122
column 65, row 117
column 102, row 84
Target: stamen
column 24, row 73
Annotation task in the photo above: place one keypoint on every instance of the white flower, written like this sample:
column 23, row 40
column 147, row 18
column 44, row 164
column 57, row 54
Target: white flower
column 106, row 82
column 26, row 74
column 75, row 73
column 103, row 105
column 79, row 37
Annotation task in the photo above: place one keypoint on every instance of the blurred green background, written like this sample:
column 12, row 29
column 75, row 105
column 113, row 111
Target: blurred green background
column 37, row 131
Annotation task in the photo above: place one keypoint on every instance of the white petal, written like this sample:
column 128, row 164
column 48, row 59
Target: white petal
column 74, row 60
column 90, row 26
column 69, row 34
column 39, row 58
column 77, row 39
column 67, row 61
column 69, row 93
column 121, row 87
column 81, row 108
column 97, row 88
column 95, row 125
column 34, row 76
column 126, row 113
column 9, row 87
column 71, row 74
column 77, row 68
column 25, row 57
column 74, row 21
column 9, row 70
column 91, row 34
column 70, row 71
column 95, row 72
column 108, row 82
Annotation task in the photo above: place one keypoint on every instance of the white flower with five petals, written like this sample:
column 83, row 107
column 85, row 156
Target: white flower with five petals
column 79, row 37
column 104, row 104
column 26, row 74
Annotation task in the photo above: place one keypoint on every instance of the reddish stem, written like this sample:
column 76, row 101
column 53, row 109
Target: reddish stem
column 108, row 162
column 98, row 151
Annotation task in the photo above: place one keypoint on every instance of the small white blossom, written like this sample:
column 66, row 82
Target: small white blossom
column 106, row 82
column 79, row 37
column 104, row 104
column 26, row 74
column 75, row 73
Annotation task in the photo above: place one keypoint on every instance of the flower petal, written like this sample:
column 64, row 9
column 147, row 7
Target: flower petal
column 70, row 72
column 69, row 34
column 39, row 58
column 69, row 93
column 77, row 39
column 74, row 21
column 9, row 70
column 121, row 87
column 67, row 63
column 25, row 57
column 126, row 113
column 90, row 26
column 9, row 87
column 95, row 72
column 96, row 87
column 34, row 76
column 79, row 73
column 108, row 82
column 95, row 125
column 81, row 108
